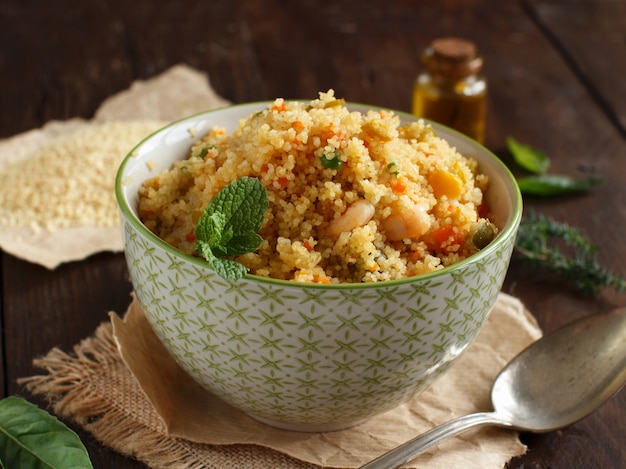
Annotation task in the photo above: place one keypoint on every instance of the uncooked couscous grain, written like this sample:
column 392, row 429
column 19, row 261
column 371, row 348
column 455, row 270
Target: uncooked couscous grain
column 70, row 181
column 353, row 197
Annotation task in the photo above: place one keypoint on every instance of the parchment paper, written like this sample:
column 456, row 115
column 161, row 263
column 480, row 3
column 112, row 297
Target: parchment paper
column 176, row 93
column 191, row 413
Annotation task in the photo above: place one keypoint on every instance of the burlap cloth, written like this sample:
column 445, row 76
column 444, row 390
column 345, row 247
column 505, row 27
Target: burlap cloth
column 122, row 386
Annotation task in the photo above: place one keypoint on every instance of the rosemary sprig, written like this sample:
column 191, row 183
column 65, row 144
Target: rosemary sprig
column 560, row 249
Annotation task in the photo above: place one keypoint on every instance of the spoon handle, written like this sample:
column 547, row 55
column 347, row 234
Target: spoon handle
column 413, row 447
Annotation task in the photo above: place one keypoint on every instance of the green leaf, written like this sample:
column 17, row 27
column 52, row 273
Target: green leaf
column 243, row 202
column 229, row 225
column 550, row 185
column 332, row 160
column 31, row 438
column 565, row 253
column 211, row 229
column 227, row 269
column 241, row 244
column 528, row 157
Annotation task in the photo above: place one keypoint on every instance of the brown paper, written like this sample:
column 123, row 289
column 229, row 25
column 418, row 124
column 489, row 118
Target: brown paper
column 191, row 413
column 178, row 92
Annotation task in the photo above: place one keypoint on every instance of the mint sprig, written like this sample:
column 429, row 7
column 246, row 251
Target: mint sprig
column 229, row 226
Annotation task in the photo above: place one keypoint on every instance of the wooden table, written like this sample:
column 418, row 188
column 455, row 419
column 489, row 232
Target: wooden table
column 556, row 71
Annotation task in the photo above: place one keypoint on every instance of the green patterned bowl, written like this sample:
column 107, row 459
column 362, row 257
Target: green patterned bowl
column 309, row 357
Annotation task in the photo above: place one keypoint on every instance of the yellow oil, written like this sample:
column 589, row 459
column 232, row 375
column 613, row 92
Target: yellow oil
column 461, row 105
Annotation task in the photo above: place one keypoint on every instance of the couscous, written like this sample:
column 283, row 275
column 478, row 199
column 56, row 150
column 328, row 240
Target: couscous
column 353, row 197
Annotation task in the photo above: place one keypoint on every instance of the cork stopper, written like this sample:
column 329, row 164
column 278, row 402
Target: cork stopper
column 452, row 58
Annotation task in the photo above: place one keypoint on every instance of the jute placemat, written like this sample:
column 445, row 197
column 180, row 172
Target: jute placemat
column 121, row 386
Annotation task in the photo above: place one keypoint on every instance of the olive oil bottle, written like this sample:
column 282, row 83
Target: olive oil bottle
column 452, row 90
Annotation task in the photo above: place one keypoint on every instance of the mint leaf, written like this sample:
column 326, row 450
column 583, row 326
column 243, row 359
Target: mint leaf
column 244, row 203
column 229, row 226
column 528, row 157
column 228, row 269
column 211, row 229
column 241, row 244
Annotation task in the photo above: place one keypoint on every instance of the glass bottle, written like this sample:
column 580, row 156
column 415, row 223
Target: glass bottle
column 451, row 90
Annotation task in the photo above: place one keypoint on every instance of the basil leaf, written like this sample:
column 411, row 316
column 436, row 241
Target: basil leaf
column 31, row 438
column 528, row 157
column 549, row 185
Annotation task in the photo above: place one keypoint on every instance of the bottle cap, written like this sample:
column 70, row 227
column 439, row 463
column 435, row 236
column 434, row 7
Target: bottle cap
column 452, row 58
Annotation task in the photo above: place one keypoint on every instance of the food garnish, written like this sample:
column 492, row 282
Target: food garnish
column 229, row 226
column 540, row 183
column 555, row 184
column 331, row 160
column 528, row 157
column 564, row 251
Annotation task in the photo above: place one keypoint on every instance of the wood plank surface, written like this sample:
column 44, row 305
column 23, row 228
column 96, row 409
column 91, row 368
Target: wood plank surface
column 591, row 36
column 555, row 73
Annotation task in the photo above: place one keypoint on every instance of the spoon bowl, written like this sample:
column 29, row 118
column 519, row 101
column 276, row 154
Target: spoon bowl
column 556, row 381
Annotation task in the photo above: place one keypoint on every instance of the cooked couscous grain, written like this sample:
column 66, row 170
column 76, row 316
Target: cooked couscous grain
column 353, row 197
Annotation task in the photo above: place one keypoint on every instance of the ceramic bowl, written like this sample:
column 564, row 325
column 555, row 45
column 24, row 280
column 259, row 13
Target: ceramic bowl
column 309, row 357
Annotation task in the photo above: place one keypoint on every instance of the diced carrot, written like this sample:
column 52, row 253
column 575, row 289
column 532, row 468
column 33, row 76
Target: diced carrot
column 398, row 185
column 322, row 280
column 446, row 238
column 443, row 234
column 279, row 107
column 297, row 125
column 327, row 134
column 331, row 132
column 191, row 237
column 307, row 245
column 282, row 181
column 415, row 255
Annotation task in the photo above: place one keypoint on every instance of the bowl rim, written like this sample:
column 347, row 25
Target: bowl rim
column 503, row 236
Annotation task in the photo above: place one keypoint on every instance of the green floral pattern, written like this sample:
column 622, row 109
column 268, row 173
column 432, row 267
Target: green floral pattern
column 310, row 358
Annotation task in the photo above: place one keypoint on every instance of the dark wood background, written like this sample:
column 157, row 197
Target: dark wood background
column 556, row 73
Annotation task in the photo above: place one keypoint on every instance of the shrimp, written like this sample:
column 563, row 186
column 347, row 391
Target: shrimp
column 406, row 223
column 357, row 214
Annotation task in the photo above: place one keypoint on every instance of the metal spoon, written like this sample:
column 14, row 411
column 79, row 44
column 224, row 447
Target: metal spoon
column 556, row 381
